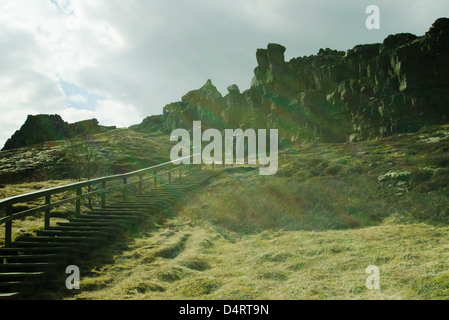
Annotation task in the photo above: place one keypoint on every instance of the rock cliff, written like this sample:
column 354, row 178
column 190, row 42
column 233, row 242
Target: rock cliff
column 369, row 91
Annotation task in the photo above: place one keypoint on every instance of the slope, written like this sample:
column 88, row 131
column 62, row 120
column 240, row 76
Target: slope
column 307, row 233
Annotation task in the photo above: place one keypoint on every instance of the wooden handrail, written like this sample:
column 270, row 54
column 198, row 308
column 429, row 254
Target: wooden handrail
column 73, row 186
column 77, row 187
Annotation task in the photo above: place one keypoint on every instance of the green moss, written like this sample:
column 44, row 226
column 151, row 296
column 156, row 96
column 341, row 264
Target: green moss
column 201, row 286
column 434, row 288
column 171, row 275
column 196, row 264
column 274, row 275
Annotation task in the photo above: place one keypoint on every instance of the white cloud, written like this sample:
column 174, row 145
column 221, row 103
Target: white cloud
column 107, row 112
column 139, row 55
column 73, row 115
column 116, row 113
column 77, row 98
column 46, row 42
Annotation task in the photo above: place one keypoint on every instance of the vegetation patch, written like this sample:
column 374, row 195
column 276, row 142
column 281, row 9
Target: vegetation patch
column 196, row 264
column 434, row 288
column 308, row 233
column 198, row 287
column 171, row 275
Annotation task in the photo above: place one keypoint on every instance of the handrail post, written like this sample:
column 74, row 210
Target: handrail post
column 89, row 198
column 179, row 173
column 140, row 184
column 155, row 179
column 124, row 188
column 79, row 192
column 47, row 211
column 103, row 194
column 8, row 227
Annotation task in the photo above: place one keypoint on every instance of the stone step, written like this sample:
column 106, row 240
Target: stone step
column 142, row 201
column 58, row 259
column 96, row 224
column 131, row 215
column 25, row 288
column 120, row 211
column 126, row 205
column 47, row 267
column 36, row 277
column 160, row 196
column 126, row 224
column 63, row 251
column 80, row 248
column 114, row 211
column 110, row 232
column 101, row 236
column 10, row 296
column 88, row 240
column 112, row 216
column 129, row 221
column 138, row 214
column 151, row 203
column 159, row 201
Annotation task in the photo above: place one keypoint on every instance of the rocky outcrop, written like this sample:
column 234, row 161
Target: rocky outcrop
column 87, row 127
column 43, row 127
column 369, row 91
column 205, row 104
column 153, row 123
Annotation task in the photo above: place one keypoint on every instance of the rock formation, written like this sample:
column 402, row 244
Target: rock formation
column 44, row 127
column 152, row 123
column 370, row 91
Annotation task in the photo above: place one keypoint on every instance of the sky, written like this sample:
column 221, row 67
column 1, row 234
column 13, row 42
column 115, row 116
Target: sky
column 121, row 61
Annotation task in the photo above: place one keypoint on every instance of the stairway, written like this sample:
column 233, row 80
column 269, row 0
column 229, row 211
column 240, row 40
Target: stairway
column 34, row 262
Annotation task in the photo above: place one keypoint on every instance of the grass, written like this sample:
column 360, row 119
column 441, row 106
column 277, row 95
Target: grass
column 309, row 232
column 319, row 203
column 116, row 151
column 278, row 265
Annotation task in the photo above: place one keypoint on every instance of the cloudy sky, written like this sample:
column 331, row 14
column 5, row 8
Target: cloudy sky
column 120, row 61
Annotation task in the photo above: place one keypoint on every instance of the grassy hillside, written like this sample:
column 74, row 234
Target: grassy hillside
column 337, row 186
column 112, row 152
column 186, row 260
column 309, row 232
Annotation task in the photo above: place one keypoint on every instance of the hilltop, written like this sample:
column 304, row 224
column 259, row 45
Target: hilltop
column 308, row 232
column 111, row 152
column 43, row 127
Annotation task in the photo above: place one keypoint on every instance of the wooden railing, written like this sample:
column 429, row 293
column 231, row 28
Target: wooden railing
column 124, row 182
